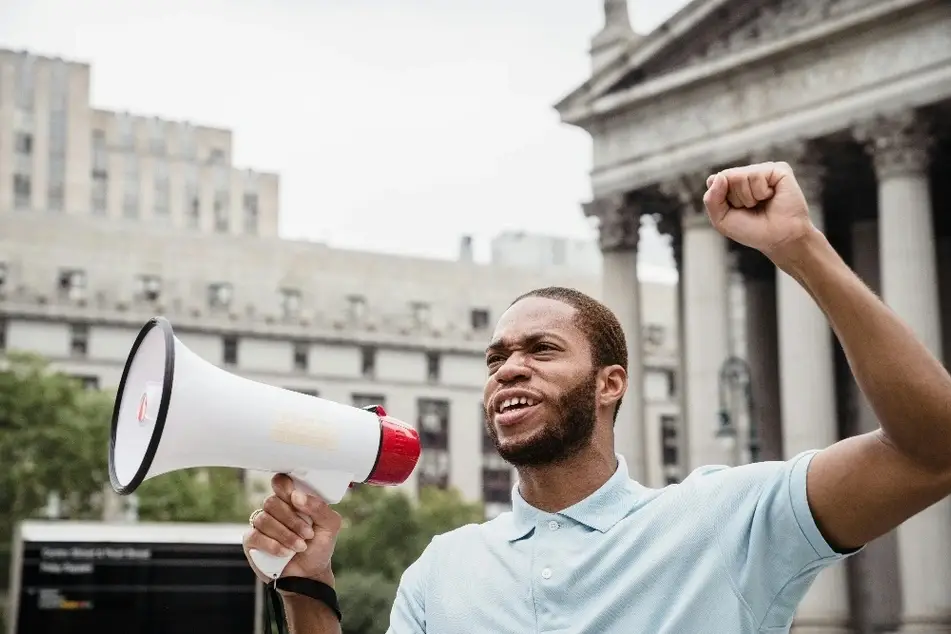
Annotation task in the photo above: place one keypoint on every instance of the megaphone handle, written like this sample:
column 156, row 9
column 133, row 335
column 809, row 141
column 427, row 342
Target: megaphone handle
column 272, row 565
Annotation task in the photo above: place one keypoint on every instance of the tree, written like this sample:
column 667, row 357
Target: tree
column 53, row 439
column 384, row 532
column 194, row 495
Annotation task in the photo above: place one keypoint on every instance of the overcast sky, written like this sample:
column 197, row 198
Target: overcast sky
column 395, row 125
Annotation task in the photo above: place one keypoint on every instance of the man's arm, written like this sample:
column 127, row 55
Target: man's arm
column 306, row 616
column 863, row 487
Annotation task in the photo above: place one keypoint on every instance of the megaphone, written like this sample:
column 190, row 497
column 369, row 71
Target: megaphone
column 174, row 410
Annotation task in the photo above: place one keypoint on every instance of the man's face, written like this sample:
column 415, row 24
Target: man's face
column 540, row 394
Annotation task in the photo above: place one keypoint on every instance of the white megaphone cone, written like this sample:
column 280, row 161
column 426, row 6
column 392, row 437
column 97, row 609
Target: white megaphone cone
column 174, row 410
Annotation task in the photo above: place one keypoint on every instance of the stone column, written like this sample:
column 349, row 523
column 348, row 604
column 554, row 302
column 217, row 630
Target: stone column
column 619, row 231
column 704, row 276
column 807, row 394
column 873, row 571
column 899, row 146
column 759, row 276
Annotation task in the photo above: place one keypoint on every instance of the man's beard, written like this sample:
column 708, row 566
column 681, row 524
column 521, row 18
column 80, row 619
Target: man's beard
column 562, row 437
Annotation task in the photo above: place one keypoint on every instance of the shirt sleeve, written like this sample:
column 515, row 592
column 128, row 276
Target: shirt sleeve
column 408, row 615
column 772, row 546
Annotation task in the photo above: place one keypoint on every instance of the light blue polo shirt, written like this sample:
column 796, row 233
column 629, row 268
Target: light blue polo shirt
column 728, row 550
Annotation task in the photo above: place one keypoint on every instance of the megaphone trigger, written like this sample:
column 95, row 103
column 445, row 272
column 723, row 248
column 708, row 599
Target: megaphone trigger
column 174, row 410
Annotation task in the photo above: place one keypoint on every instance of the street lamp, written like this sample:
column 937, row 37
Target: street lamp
column 736, row 400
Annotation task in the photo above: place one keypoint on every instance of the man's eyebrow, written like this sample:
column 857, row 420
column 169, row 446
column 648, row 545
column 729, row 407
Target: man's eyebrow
column 527, row 340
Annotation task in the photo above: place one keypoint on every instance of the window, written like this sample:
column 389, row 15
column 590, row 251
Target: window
column 367, row 400
column 192, row 198
column 22, row 191
column 72, row 284
column 432, row 366
column 669, row 441
column 130, row 187
column 222, row 212
column 87, row 382
column 357, row 305
column 23, row 143
column 229, row 353
column 250, row 209
column 290, row 302
column 368, row 361
column 222, row 200
column 479, row 318
column 219, row 295
column 100, row 173
column 160, row 198
column 433, row 423
column 148, row 288
column 301, row 356
column 497, row 483
column 434, row 469
column 654, row 335
column 422, row 314
column 78, row 340
column 56, row 168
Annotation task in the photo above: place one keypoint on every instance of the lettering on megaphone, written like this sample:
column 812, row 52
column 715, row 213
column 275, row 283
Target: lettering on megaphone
column 175, row 410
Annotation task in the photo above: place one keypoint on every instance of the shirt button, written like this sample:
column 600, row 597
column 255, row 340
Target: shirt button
column 553, row 525
column 546, row 573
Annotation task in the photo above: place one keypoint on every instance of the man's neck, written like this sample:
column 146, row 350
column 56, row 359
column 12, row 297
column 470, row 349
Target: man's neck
column 555, row 487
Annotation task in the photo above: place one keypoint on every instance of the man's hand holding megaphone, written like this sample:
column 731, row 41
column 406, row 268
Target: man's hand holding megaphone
column 279, row 529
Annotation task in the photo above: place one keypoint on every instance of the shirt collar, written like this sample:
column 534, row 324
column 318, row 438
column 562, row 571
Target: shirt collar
column 600, row 511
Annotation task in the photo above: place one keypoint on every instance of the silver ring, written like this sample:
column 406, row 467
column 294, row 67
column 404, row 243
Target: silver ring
column 253, row 516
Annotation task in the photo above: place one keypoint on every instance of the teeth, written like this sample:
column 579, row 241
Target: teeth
column 510, row 402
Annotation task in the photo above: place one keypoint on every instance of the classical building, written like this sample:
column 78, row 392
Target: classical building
column 856, row 96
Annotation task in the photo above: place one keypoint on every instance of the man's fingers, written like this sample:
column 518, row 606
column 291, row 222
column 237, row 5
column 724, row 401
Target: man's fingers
column 759, row 185
column 715, row 197
column 282, row 512
column 256, row 540
column 283, row 486
column 277, row 529
column 318, row 510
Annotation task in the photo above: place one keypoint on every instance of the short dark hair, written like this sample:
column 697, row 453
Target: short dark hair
column 598, row 323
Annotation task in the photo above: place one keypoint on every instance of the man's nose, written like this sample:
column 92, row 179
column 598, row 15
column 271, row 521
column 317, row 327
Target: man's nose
column 513, row 369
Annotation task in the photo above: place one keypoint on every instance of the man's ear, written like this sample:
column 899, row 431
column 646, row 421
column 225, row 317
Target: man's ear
column 613, row 385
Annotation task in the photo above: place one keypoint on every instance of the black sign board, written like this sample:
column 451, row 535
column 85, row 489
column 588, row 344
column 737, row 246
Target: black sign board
column 135, row 588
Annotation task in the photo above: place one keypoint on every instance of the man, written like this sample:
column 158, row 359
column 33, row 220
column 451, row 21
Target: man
column 586, row 549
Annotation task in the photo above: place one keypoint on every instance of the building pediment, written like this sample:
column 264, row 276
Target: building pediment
column 710, row 37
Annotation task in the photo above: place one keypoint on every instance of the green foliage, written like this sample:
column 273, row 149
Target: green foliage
column 365, row 601
column 194, row 495
column 384, row 532
column 53, row 438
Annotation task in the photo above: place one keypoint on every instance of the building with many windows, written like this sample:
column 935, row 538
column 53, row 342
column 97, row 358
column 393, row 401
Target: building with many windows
column 60, row 155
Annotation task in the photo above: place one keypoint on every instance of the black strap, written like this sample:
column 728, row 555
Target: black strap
column 298, row 585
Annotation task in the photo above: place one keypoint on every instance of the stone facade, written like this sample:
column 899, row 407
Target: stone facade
column 856, row 96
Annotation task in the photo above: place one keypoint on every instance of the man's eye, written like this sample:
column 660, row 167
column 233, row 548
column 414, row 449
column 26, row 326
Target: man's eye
column 493, row 359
